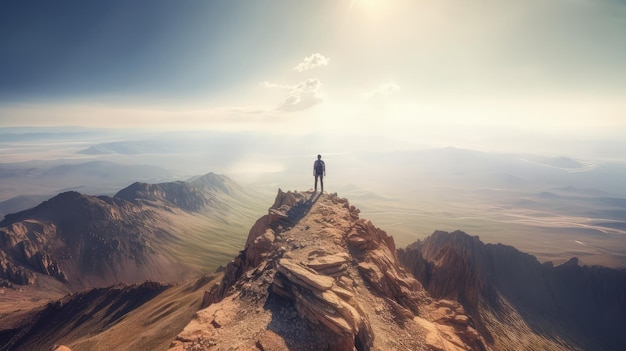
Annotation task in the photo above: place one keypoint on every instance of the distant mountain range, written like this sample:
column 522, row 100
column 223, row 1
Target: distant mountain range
column 24, row 184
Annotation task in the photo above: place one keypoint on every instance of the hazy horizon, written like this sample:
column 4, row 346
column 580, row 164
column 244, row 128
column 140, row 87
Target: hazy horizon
column 554, row 207
column 543, row 77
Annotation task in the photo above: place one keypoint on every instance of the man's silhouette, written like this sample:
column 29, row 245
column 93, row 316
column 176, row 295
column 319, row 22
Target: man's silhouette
column 319, row 170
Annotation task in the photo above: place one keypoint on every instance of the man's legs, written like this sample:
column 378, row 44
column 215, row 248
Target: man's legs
column 321, row 182
column 316, row 182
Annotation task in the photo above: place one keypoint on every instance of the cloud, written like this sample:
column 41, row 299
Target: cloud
column 385, row 89
column 270, row 85
column 302, row 96
column 315, row 60
column 309, row 85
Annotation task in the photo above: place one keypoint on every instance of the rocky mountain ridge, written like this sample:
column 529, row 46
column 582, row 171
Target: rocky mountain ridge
column 193, row 195
column 515, row 300
column 315, row 276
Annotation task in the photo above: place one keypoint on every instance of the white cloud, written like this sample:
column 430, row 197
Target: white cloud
column 270, row 85
column 315, row 60
column 309, row 85
column 302, row 96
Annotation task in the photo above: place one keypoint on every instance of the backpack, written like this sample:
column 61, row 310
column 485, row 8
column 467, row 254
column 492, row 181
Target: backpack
column 319, row 167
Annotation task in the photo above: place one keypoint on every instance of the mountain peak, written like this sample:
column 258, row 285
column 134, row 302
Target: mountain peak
column 67, row 206
column 314, row 275
column 193, row 195
column 215, row 183
column 173, row 194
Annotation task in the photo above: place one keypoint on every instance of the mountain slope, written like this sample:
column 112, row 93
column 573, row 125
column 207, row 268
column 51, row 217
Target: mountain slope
column 84, row 241
column 146, row 316
column 164, row 232
column 20, row 202
column 518, row 303
column 314, row 276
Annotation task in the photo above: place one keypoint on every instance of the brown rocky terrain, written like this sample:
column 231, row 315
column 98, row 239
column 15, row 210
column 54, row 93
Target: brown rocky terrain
column 315, row 276
column 518, row 303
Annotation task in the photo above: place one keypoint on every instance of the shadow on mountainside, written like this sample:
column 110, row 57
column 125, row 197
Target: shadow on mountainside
column 301, row 209
column 66, row 319
column 292, row 332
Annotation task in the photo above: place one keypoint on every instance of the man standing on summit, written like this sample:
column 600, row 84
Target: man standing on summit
column 319, row 170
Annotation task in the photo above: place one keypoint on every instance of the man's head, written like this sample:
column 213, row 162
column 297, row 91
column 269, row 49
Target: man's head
column 319, row 157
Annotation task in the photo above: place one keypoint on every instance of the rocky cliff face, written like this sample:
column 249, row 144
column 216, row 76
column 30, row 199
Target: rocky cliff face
column 81, row 240
column 518, row 303
column 315, row 276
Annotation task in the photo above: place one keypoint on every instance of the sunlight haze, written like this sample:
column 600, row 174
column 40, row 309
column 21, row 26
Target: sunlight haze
column 423, row 70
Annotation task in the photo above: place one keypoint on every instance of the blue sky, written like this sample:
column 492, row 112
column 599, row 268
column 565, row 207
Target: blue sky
column 418, row 70
column 71, row 50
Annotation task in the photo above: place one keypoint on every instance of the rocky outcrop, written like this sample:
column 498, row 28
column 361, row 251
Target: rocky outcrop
column 21, row 256
column 41, row 261
column 314, row 276
column 450, row 329
column 321, row 301
column 12, row 273
column 378, row 265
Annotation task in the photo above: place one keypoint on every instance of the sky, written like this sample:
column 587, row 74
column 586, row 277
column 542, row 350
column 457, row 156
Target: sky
column 484, row 74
